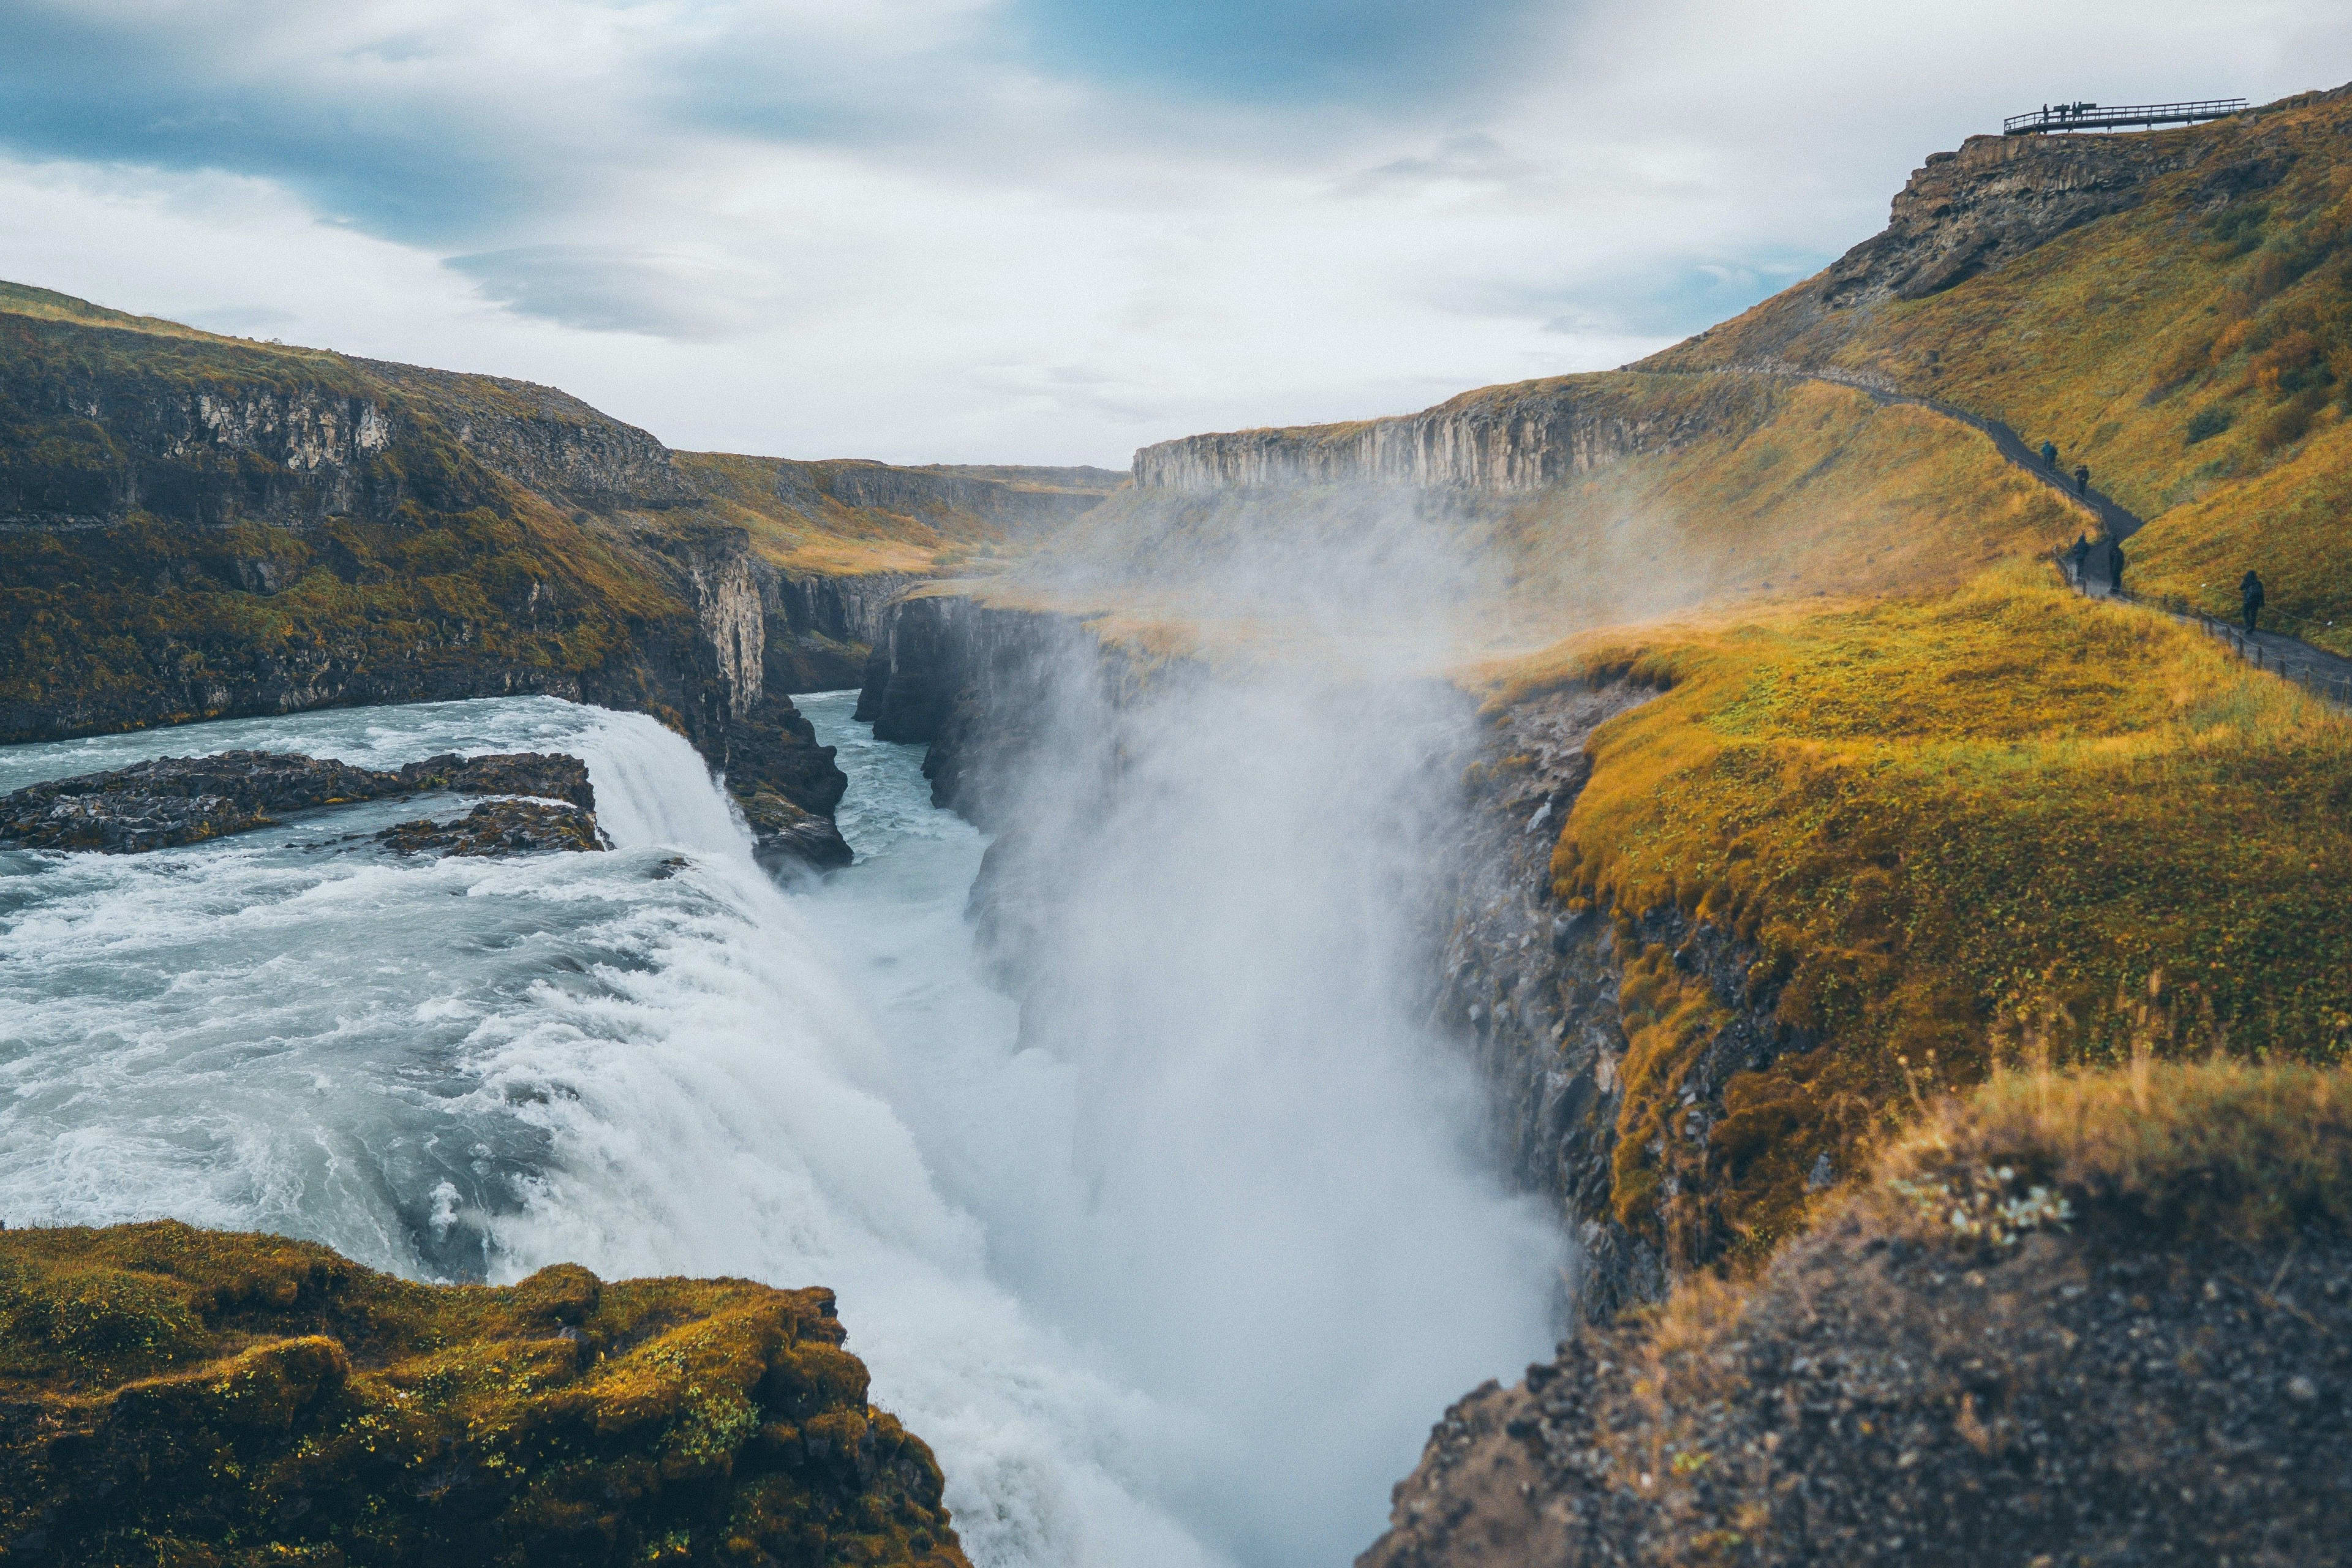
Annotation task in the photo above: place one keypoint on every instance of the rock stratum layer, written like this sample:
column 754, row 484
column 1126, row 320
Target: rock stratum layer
column 1502, row 440
column 176, row 1396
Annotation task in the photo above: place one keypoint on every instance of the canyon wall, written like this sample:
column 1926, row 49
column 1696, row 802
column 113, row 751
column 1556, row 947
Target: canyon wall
column 1502, row 440
column 546, row 440
column 195, row 528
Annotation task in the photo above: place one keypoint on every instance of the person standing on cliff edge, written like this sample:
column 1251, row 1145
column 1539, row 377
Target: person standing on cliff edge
column 2250, row 597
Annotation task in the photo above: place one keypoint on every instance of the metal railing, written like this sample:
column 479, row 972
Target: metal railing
column 2062, row 117
column 2327, row 685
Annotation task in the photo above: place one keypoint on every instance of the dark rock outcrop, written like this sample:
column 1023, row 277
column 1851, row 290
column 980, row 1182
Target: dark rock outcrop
column 787, row 786
column 184, row 800
column 499, row 828
column 1995, row 199
column 1877, row 1400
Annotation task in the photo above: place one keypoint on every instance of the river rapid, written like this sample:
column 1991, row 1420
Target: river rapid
column 1154, row 1298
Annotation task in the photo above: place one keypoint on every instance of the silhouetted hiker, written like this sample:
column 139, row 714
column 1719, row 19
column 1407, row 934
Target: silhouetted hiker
column 2250, row 594
column 2080, row 554
column 2049, row 454
column 2116, row 566
column 2081, row 478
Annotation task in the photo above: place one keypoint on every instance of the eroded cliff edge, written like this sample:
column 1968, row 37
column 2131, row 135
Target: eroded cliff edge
column 182, row 1396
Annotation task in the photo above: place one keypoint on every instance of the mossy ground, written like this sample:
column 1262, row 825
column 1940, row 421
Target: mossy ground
column 1935, row 818
column 188, row 1397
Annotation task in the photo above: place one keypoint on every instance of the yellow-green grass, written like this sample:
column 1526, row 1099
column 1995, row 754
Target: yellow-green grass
column 814, row 531
column 2196, row 351
column 187, row 1396
column 1930, row 815
column 821, row 535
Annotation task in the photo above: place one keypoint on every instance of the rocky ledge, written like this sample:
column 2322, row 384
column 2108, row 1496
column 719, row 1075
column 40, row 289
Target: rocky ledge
column 169, row 1395
column 499, row 827
column 2087, row 1320
column 185, row 800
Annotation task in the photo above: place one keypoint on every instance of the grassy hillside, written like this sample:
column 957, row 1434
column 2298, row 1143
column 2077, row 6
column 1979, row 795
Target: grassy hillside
column 1783, row 491
column 917, row 521
column 1940, row 820
column 2196, row 351
column 196, row 525
column 174, row 1395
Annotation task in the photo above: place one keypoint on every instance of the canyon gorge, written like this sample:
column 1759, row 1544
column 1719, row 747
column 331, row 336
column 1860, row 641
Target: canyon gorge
column 1564, row 915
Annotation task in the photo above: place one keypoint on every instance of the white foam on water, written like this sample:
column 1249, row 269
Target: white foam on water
column 653, row 1060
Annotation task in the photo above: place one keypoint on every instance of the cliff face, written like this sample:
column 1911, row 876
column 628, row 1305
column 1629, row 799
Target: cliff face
column 822, row 629
column 546, row 440
column 1503, row 440
column 722, row 580
column 194, row 527
column 2075, row 1318
column 170, row 1395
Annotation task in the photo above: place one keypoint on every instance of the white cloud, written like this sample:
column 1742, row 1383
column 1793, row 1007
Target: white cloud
column 884, row 229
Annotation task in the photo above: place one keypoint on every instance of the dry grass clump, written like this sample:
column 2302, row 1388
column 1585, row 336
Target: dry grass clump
column 2166, row 1152
column 169, row 1394
column 2154, row 1366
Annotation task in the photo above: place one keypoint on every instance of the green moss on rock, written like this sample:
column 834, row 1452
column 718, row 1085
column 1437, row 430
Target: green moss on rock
column 175, row 1395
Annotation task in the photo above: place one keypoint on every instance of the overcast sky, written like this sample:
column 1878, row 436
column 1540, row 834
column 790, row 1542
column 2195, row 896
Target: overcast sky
column 1021, row 230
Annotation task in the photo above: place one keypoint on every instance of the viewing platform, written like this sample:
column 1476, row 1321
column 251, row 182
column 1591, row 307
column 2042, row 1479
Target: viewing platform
column 2052, row 118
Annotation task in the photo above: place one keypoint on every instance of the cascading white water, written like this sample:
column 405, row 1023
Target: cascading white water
column 655, row 1060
